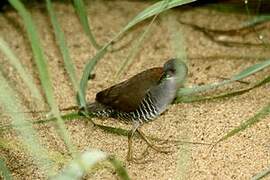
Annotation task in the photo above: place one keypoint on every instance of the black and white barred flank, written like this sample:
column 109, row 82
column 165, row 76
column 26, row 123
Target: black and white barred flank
column 144, row 113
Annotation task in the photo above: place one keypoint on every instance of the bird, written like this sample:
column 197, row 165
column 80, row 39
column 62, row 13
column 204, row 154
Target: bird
column 140, row 98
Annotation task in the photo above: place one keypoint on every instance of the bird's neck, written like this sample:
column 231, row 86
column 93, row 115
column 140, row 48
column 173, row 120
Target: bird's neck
column 164, row 93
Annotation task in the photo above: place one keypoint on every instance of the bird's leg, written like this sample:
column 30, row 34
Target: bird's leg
column 130, row 156
column 146, row 152
column 130, row 136
column 144, row 137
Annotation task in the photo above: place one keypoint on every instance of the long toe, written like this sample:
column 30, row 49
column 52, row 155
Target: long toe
column 139, row 160
column 161, row 149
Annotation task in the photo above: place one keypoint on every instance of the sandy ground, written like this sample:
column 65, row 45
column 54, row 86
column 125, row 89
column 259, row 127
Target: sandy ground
column 240, row 157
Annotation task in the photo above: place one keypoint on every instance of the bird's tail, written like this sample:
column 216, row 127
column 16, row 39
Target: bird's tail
column 96, row 109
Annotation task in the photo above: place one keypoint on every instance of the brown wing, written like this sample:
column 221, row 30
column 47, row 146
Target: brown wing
column 127, row 96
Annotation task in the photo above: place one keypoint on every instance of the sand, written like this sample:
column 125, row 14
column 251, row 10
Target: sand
column 239, row 157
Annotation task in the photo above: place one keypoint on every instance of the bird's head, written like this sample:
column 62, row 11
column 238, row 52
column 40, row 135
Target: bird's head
column 175, row 69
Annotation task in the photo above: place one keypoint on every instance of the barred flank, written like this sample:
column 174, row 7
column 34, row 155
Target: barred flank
column 146, row 111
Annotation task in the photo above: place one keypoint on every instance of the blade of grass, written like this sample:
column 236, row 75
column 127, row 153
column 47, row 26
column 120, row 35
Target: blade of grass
column 261, row 174
column 80, row 9
column 108, row 129
column 243, row 74
column 27, row 133
column 135, row 49
column 41, row 63
column 257, row 20
column 88, row 159
column 60, row 37
column 87, row 71
column 189, row 99
column 152, row 10
column 14, row 145
column 26, row 77
column 55, row 156
column 66, row 117
column 251, row 70
column 120, row 170
column 4, row 171
column 76, row 168
column 265, row 111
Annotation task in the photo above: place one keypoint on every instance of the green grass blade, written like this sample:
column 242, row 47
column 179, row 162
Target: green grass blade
column 27, row 133
column 251, row 70
column 120, row 170
column 257, row 20
column 66, row 117
column 78, row 167
column 4, row 171
column 37, row 50
column 156, row 8
column 243, row 74
column 261, row 174
column 81, row 11
column 189, row 99
column 60, row 37
column 107, row 129
column 87, row 71
column 41, row 63
column 248, row 123
column 135, row 49
column 26, row 77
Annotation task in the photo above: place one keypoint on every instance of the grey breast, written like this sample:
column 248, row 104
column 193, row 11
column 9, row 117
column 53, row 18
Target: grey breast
column 155, row 102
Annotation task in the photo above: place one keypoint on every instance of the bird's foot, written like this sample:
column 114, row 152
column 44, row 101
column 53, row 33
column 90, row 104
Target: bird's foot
column 161, row 149
column 138, row 160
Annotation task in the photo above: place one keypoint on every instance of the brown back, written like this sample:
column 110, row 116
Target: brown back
column 127, row 96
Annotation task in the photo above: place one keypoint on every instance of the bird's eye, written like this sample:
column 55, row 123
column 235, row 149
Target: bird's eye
column 167, row 75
